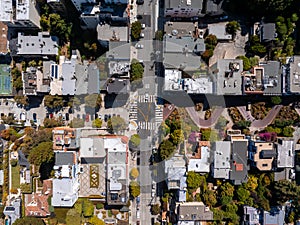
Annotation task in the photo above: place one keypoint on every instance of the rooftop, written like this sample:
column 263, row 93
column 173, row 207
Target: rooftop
column 3, row 36
column 28, row 10
column 251, row 216
column 13, row 211
column 183, row 44
column 87, row 78
column 64, row 158
column 267, row 32
column 272, row 78
column 36, row 205
column 119, row 67
column 221, row 163
column 64, row 138
column 262, row 154
column 175, row 170
column 5, row 79
column 41, row 44
column 239, row 168
column 29, row 81
column 179, row 29
column 285, row 153
column 6, row 10
column 294, row 75
column 107, row 32
column 200, row 160
column 194, row 211
column 183, row 4
column 227, row 73
column 274, row 217
column 119, row 51
column 219, row 30
column 118, row 86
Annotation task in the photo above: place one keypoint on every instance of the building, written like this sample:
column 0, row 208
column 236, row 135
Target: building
column 239, row 166
column 272, row 77
column 221, row 159
column 219, row 30
column 175, row 170
column 285, row 152
column 34, row 82
column 87, row 78
column 13, row 212
column 261, row 155
column 65, row 139
column 200, row 160
column 79, row 3
column 183, row 9
column 65, row 181
column 107, row 33
column 119, row 51
column 227, row 76
column 27, row 14
column 190, row 213
column 267, row 32
column 214, row 7
column 90, row 16
column 6, row 11
column 4, row 47
column 116, row 2
column 251, row 216
column 293, row 76
column 63, row 75
column 118, row 86
column 58, row 6
column 34, row 45
column 116, row 170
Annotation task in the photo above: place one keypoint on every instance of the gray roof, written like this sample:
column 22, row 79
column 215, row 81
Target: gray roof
column 119, row 50
column 184, row 44
column 107, row 32
column 42, row 44
column 64, row 158
column 227, row 73
column 221, row 165
column 213, row 7
column 219, row 30
column 118, row 86
column 275, row 217
column 87, row 78
column 175, row 170
column 180, row 28
column 91, row 160
column 92, row 147
column 93, row 79
column 272, row 79
column 183, row 4
column 194, row 211
column 239, row 167
column 13, row 211
column 22, row 160
column 251, row 216
column 294, row 75
column 285, row 153
column 267, row 32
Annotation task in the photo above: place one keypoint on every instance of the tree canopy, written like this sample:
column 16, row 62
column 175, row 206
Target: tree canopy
column 134, row 189
column 29, row 221
column 116, row 124
column 166, row 149
column 97, row 123
column 135, row 140
column 136, row 70
column 53, row 101
column 177, row 137
column 232, row 27
column 136, row 28
column 42, row 153
column 134, row 173
column 93, row 101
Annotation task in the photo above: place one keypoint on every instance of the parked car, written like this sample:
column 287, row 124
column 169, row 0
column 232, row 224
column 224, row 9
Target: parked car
column 138, row 215
column 143, row 26
column 139, row 17
column 67, row 117
column 139, row 46
column 34, row 117
column 139, row 2
column 22, row 116
column 142, row 35
column 105, row 118
column 87, row 117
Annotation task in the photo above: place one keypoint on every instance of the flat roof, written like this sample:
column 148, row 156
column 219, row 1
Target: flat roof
column 180, row 28
column 294, row 74
column 272, row 77
column 6, row 10
column 107, row 32
column 285, row 153
column 239, row 168
column 183, row 4
column 5, row 80
column 222, row 150
column 27, row 10
column 219, row 30
column 3, row 37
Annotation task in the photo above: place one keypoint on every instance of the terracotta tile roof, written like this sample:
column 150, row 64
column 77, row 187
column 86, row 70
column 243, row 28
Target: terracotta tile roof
column 36, row 205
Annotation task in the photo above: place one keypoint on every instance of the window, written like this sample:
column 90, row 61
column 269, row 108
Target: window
column 264, row 165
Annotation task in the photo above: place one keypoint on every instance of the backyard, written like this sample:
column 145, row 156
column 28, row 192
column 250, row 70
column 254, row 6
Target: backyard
column 15, row 177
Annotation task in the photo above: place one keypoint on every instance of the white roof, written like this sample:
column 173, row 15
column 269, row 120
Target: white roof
column 6, row 9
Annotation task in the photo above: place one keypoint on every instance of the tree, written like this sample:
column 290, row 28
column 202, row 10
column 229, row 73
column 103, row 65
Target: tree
column 76, row 123
column 177, row 137
column 136, row 70
column 42, row 153
column 276, row 100
column 222, row 123
column 116, row 124
column 227, row 189
column 53, row 101
column 242, row 124
column 209, row 198
column 288, row 131
column 87, row 208
column 58, row 27
column 195, row 180
column 134, row 189
column 22, row 100
column 93, row 101
column 18, row 83
column 52, row 122
column 73, row 217
column 207, row 54
column 32, row 63
column 251, row 184
column 211, row 40
column 166, row 149
column 209, row 135
column 225, row 200
column 285, row 190
column 155, row 209
column 96, row 221
column 97, row 123
column 27, row 220
column 242, row 194
column 134, row 173
column 232, row 27
column 135, row 140
column 246, row 62
column 136, row 28
column 159, row 35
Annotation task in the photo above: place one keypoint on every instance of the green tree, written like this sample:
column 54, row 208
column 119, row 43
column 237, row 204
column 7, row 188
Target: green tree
column 242, row 124
column 93, row 101
column 177, row 137
column 227, row 189
column 135, row 140
column 218, row 214
column 166, row 149
column 18, row 83
column 242, row 194
column 116, row 124
column 136, row 28
column 53, row 101
column 136, row 70
column 87, row 208
column 246, row 62
column 73, row 217
column 195, row 180
column 52, row 122
column 22, row 100
column 155, row 209
column 58, row 27
column 32, row 63
column 134, row 189
column 27, row 220
column 96, row 221
column 134, row 173
column 209, row 135
column 225, row 200
column 288, row 131
column 159, row 35
column 209, row 198
column 42, row 153
column 211, row 40
column 97, row 123
column 222, row 123
column 232, row 27
column 276, row 100
column 77, row 123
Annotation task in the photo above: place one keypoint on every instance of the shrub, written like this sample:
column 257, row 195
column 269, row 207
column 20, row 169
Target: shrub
column 99, row 206
column 14, row 162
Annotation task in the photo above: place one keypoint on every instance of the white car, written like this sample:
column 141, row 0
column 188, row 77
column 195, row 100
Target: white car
column 142, row 35
column 143, row 26
column 139, row 46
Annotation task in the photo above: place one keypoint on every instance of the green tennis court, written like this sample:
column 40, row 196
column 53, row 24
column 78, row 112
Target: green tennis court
column 5, row 80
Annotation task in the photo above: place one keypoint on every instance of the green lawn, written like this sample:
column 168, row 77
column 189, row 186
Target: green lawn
column 15, row 177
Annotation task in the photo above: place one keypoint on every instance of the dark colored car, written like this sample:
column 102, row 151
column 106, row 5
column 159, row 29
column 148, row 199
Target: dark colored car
column 34, row 117
column 67, row 117
column 140, row 2
column 87, row 117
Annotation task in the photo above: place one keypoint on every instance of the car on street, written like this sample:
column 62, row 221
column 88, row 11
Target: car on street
column 34, row 117
column 105, row 118
column 138, row 215
column 146, row 97
column 67, row 117
column 22, row 116
column 139, row 2
column 139, row 46
column 87, row 117
column 139, row 17
column 142, row 35
column 143, row 26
